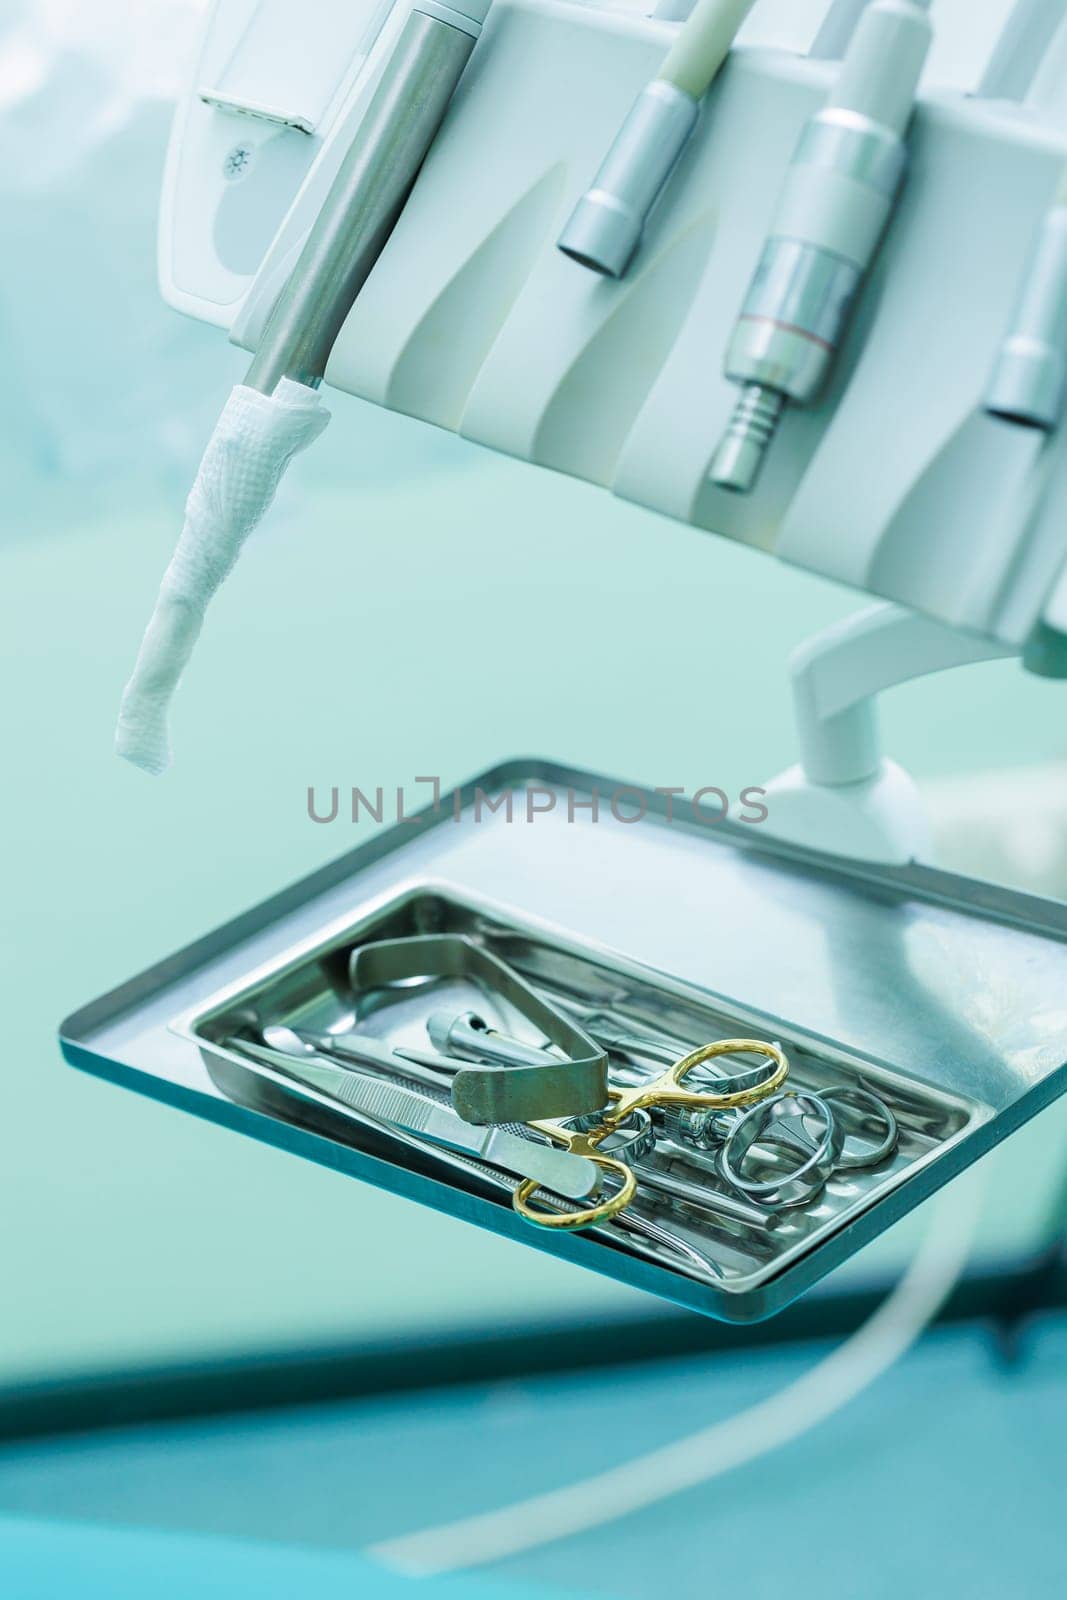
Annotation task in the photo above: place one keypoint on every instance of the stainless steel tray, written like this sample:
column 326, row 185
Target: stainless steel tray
column 945, row 995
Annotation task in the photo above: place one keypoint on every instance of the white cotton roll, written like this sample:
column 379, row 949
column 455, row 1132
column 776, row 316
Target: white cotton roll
column 254, row 441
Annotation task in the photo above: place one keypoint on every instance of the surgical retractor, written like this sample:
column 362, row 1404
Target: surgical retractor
column 840, row 188
column 605, row 228
column 276, row 412
column 1028, row 379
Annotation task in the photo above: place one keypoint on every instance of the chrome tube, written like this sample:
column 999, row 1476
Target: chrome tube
column 364, row 200
column 605, row 227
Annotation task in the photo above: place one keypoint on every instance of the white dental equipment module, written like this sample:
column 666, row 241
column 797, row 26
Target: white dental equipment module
column 638, row 257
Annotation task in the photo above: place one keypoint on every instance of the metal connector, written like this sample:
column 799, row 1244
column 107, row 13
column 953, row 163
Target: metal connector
column 739, row 456
column 606, row 225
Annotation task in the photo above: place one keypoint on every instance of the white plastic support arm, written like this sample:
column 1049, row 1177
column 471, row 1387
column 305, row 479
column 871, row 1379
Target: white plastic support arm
column 843, row 795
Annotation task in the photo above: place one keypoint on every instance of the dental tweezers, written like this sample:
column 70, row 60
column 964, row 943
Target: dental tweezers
column 422, row 1112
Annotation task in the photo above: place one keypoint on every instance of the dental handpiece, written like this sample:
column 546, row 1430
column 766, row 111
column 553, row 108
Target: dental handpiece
column 833, row 208
column 605, row 227
column 368, row 193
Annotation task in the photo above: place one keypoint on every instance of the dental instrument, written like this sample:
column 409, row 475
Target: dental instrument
column 1029, row 376
column 363, row 1052
column 605, row 227
column 470, row 1036
column 633, row 1141
column 635, row 1138
column 368, row 193
column 850, row 1106
column 851, row 1103
column 665, row 1091
column 641, row 1229
column 643, row 1054
column 276, row 413
column 784, row 1116
column 843, row 180
column 423, row 1112
column 485, row 1093
column 426, row 1067
column 714, row 1202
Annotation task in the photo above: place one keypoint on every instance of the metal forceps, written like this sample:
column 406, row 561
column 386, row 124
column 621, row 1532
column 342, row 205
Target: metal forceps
column 665, row 1091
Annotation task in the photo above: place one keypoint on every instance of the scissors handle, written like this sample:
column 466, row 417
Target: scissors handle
column 665, row 1090
column 569, row 1220
column 579, row 1142
column 668, row 1090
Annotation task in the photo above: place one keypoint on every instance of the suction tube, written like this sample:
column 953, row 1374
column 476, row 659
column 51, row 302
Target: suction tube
column 606, row 225
column 276, row 412
column 368, row 193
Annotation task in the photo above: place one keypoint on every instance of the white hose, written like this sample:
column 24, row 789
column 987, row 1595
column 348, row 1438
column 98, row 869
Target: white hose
column 703, row 43
column 849, row 1369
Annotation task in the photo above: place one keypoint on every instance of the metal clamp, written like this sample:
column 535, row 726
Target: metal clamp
column 493, row 1093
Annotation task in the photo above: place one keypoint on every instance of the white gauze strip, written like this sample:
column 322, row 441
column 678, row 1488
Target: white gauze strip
column 254, row 441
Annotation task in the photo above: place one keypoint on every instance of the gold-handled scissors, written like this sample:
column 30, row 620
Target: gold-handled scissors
column 667, row 1090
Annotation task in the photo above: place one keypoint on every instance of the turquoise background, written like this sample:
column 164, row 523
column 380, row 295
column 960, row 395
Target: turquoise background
column 944, row 1478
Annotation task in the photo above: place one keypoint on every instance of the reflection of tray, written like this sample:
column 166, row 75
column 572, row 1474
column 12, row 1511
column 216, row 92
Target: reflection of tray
column 946, row 995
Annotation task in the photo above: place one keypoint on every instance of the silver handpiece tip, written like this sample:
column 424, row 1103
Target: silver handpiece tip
column 736, row 463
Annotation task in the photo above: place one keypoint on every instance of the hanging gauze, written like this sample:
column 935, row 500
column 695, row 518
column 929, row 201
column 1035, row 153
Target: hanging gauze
column 276, row 412
column 254, row 441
